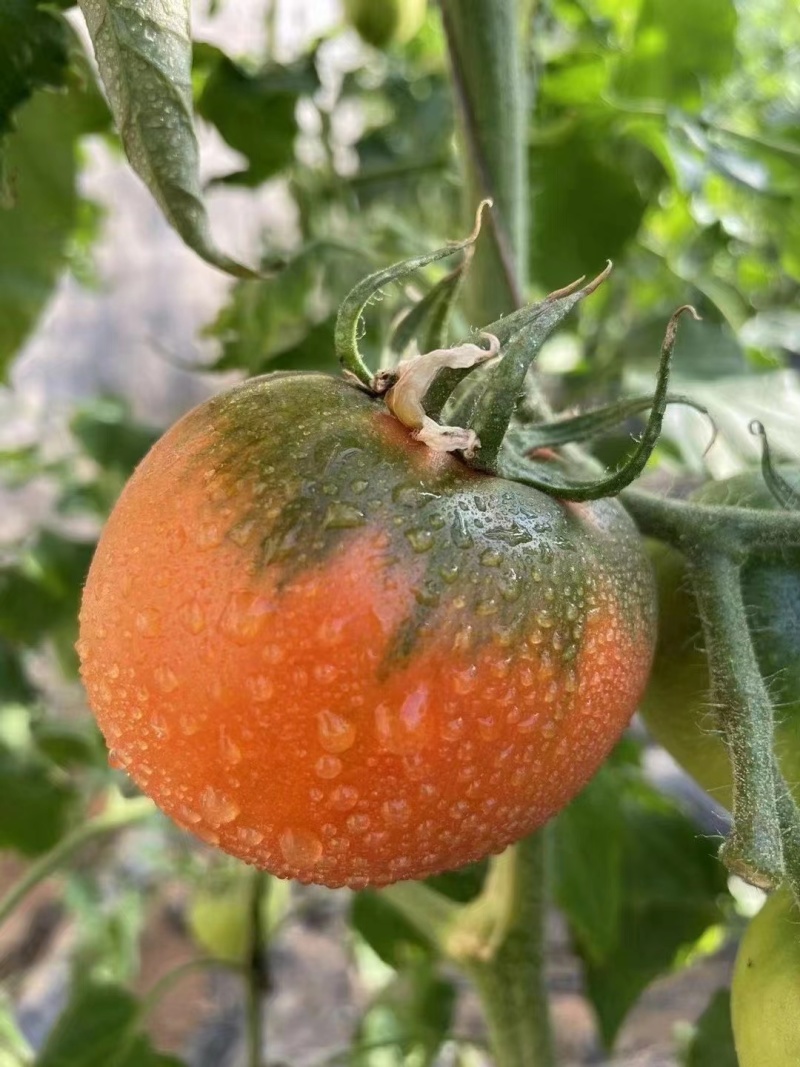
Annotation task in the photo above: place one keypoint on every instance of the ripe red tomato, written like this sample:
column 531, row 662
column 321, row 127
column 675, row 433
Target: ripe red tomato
column 348, row 659
column 676, row 706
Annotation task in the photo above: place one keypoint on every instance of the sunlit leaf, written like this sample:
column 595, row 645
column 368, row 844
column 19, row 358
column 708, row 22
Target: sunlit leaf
column 144, row 52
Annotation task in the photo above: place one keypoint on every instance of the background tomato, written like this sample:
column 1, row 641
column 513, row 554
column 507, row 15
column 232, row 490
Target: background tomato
column 765, row 996
column 676, row 704
column 387, row 22
column 347, row 658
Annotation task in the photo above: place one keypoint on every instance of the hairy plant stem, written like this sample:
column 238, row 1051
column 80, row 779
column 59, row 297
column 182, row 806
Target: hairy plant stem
column 738, row 693
column 497, row 939
column 257, row 972
column 120, row 815
column 491, row 88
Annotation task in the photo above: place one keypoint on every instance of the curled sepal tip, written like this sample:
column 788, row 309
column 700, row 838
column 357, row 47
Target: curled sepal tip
column 409, row 382
column 352, row 307
column 785, row 495
column 516, row 466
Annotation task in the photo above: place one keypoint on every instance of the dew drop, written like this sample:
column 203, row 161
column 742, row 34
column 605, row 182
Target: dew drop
column 328, row 767
column 242, row 532
column 192, row 617
column 400, row 730
column 359, row 486
column 113, row 671
column 300, row 848
column 244, row 616
column 217, row 808
column 115, row 761
column 191, row 816
column 336, row 734
column 231, row 753
column 159, row 726
column 340, row 516
column 396, row 811
column 260, row 688
column 189, row 724
column 357, row 823
column 208, row 535
column 491, row 557
column 248, row 836
column 148, row 623
column 449, row 573
column 420, row 540
column 344, row 798
column 165, row 678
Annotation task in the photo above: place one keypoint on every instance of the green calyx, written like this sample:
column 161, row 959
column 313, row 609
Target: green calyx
column 481, row 418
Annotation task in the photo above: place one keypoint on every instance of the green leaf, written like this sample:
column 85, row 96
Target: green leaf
column 285, row 320
column 33, row 54
column 672, row 884
column 679, row 48
column 35, row 229
column 14, row 685
column 587, row 865
column 106, row 432
column 712, row 1043
column 385, row 930
column 37, row 801
column 255, row 113
column 601, row 185
column 98, row 1028
column 144, row 52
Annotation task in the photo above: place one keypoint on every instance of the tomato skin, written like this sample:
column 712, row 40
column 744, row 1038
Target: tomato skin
column 765, row 993
column 384, row 22
column 346, row 658
column 676, row 705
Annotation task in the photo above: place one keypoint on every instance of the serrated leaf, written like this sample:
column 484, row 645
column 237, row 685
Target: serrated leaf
column 45, row 207
column 712, row 1043
column 254, row 112
column 679, row 47
column 144, row 53
column 98, row 1028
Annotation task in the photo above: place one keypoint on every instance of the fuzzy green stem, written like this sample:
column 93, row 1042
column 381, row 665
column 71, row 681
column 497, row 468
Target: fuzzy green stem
column 499, row 941
column 789, row 818
column 493, row 102
column 257, row 972
column 122, row 814
column 753, row 849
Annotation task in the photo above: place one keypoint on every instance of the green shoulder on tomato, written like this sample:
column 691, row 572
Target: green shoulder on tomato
column 677, row 706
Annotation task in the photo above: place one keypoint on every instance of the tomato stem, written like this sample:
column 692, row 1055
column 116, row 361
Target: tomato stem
column 119, row 815
column 753, row 849
column 491, row 88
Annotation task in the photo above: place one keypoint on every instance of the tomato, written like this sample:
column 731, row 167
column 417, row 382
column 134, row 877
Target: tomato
column 347, row 658
column 384, row 22
column 765, row 996
column 676, row 706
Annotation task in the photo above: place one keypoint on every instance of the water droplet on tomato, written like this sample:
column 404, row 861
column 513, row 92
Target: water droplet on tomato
column 358, row 823
column 245, row 616
column 208, row 535
column 300, row 848
column 231, row 753
column 114, row 760
column 328, row 767
column 242, row 532
column 148, row 623
column 449, row 572
column 336, row 734
column 396, row 811
column 159, row 726
column 491, row 557
column 260, row 688
column 401, row 728
column 192, row 617
column 113, row 671
column 217, row 808
column 248, row 836
column 359, row 486
column 420, row 540
column 341, row 516
column 165, row 678
column 343, row 798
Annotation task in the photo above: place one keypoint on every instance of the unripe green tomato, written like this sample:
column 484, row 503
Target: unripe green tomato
column 384, row 22
column 765, row 996
column 219, row 918
column 676, row 705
